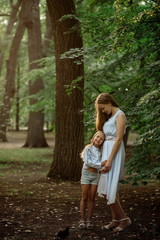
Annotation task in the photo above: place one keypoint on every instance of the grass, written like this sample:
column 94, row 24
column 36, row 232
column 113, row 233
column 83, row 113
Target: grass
column 24, row 155
column 24, row 162
column 4, row 166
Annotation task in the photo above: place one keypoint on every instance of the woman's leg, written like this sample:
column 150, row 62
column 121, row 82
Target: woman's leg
column 84, row 199
column 115, row 219
column 119, row 214
column 91, row 200
column 117, row 210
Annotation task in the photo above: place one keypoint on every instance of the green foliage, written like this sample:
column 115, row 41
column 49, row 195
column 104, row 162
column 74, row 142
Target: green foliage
column 45, row 99
column 73, row 85
column 146, row 151
column 122, row 57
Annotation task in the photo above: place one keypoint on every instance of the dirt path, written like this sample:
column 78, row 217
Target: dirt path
column 35, row 209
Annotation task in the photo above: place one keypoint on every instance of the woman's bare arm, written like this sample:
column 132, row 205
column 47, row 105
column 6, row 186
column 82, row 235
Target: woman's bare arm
column 120, row 127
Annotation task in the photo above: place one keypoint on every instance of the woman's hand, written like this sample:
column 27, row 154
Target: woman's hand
column 106, row 167
column 103, row 163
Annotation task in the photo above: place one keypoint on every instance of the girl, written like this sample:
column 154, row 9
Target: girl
column 91, row 156
column 112, row 121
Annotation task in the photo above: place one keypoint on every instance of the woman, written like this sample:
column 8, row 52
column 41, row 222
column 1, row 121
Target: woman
column 111, row 120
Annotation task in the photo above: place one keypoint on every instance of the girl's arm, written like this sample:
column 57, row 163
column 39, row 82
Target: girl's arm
column 120, row 127
column 91, row 160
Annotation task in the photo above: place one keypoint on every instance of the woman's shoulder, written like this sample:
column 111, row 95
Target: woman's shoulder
column 119, row 112
column 120, row 116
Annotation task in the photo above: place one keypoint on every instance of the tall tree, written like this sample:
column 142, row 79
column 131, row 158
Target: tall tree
column 35, row 137
column 69, row 117
column 10, row 73
column 11, row 21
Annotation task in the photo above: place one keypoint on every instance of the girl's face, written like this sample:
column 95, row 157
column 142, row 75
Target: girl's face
column 98, row 139
column 105, row 108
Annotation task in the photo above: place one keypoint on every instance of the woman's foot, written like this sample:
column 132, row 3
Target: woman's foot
column 111, row 225
column 125, row 222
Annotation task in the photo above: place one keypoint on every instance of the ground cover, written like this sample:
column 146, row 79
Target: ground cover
column 33, row 207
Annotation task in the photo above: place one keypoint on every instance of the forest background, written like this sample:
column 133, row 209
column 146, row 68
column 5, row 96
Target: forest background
column 55, row 58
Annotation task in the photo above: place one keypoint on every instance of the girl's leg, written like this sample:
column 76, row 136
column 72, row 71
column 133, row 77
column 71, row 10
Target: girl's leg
column 91, row 200
column 84, row 199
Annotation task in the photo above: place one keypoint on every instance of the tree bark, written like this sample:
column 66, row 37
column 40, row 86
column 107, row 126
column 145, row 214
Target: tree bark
column 69, row 115
column 35, row 137
column 48, row 37
column 17, row 99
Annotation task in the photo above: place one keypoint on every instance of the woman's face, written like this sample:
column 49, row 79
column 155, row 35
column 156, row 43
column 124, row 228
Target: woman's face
column 105, row 108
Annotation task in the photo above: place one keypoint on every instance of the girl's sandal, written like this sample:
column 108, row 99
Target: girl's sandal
column 111, row 226
column 82, row 225
column 120, row 229
column 89, row 225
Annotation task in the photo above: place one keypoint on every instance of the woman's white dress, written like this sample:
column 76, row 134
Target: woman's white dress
column 109, row 182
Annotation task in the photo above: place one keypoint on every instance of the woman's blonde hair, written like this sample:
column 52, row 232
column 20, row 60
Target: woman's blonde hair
column 101, row 118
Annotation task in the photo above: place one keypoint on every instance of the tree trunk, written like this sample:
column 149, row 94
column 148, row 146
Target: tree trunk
column 12, row 19
column 17, row 98
column 69, row 116
column 35, row 137
column 48, row 36
column 10, row 76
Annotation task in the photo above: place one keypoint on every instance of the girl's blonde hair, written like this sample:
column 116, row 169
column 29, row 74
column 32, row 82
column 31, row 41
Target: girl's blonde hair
column 91, row 143
column 101, row 118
